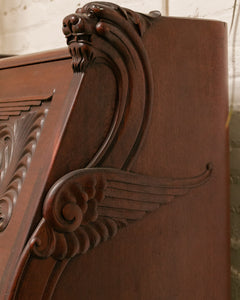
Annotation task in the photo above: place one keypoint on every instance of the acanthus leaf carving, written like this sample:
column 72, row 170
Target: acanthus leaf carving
column 17, row 145
column 89, row 206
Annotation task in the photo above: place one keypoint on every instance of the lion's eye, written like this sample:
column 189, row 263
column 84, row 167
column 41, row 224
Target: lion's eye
column 91, row 13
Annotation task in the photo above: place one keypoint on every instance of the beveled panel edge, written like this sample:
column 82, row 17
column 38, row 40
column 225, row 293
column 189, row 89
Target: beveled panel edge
column 35, row 58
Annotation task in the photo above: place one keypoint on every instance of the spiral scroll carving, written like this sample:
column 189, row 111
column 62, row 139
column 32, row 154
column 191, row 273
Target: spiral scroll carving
column 71, row 224
column 17, row 145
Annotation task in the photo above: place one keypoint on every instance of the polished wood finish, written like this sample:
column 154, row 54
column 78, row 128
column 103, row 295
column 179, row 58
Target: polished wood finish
column 120, row 146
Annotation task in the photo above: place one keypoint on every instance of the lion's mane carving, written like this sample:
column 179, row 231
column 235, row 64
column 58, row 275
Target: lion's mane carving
column 101, row 21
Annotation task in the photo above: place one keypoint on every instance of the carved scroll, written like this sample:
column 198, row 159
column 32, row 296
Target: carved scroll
column 102, row 32
column 89, row 206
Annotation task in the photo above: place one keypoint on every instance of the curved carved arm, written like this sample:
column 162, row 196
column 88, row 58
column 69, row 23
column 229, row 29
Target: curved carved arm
column 105, row 33
column 88, row 206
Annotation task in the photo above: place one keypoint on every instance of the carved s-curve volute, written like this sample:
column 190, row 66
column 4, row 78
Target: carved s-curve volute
column 105, row 33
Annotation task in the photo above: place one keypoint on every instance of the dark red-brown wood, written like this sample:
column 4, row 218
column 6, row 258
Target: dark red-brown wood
column 120, row 146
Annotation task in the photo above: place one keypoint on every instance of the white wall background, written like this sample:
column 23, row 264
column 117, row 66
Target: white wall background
column 28, row 26
column 34, row 25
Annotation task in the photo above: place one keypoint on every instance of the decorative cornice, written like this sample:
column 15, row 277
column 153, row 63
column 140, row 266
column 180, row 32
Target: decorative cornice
column 15, row 106
column 89, row 206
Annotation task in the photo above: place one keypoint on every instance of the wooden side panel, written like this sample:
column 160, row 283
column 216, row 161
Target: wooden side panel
column 181, row 251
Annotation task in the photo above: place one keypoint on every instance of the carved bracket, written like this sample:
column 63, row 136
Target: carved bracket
column 105, row 33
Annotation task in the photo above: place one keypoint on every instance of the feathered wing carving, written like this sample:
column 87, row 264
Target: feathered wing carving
column 89, row 206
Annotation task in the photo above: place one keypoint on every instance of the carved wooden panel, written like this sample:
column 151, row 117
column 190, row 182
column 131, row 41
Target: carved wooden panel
column 15, row 106
column 18, row 141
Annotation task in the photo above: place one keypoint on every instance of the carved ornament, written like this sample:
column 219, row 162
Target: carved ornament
column 105, row 33
column 18, row 142
column 89, row 206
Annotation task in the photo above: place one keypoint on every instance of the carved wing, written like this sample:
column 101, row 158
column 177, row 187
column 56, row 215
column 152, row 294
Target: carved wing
column 88, row 206
column 130, row 196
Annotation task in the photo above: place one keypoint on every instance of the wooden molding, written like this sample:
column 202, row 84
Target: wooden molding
column 14, row 106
